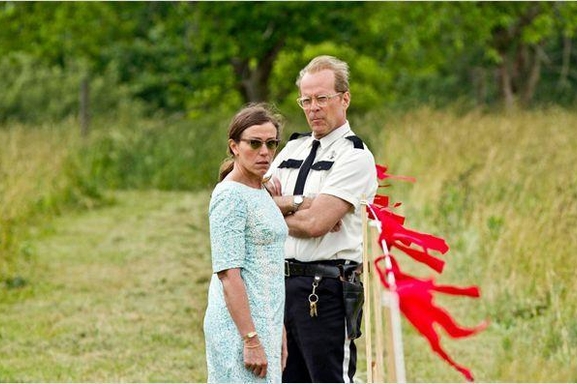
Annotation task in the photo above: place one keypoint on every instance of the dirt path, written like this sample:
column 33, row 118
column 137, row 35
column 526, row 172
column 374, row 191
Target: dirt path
column 119, row 295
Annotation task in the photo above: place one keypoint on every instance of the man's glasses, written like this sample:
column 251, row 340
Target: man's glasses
column 255, row 144
column 321, row 100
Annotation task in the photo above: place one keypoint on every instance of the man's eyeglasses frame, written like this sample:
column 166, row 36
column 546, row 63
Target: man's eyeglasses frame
column 321, row 100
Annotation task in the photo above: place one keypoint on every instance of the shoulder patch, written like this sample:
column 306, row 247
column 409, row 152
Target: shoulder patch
column 291, row 163
column 297, row 135
column 322, row 165
column 357, row 142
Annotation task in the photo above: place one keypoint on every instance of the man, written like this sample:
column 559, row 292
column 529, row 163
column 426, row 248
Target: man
column 323, row 177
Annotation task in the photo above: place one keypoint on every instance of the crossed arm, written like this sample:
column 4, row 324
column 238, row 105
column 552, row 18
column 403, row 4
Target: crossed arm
column 315, row 217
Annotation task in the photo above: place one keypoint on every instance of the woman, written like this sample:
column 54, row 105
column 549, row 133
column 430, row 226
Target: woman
column 243, row 325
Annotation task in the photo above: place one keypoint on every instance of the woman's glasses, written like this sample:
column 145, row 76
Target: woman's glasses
column 255, row 144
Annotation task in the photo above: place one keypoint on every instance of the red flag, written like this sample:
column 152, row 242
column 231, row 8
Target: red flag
column 382, row 174
column 422, row 257
column 416, row 295
column 416, row 304
column 396, row 235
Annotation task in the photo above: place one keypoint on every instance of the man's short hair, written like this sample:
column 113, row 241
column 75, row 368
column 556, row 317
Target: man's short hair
column 320, row 63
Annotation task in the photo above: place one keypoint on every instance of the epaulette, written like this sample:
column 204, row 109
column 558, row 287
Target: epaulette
column 357, row 142
column 296, row 135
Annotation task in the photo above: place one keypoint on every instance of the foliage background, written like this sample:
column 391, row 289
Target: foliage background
column 192, row 57
column 475, row 99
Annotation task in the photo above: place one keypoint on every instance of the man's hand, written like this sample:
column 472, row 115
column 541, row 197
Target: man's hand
column 337, row 226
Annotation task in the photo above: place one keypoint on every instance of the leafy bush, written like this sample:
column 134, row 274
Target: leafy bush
column 33, row 92
column 178, row 154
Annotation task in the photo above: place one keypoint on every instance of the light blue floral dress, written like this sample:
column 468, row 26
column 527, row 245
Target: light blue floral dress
column 247, row 231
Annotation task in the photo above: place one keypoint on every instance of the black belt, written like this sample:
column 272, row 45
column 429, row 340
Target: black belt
column 311, row 269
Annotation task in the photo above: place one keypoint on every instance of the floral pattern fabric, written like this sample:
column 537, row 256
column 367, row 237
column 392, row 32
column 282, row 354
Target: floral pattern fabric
column 247, row 231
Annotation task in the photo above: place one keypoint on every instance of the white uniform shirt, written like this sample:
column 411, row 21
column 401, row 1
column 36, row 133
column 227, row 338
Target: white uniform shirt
column 346, row 172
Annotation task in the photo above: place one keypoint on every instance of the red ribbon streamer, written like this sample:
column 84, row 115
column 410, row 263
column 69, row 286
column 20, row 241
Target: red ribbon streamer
column 416, row 304
column 382, row 174
column 416, row 295
column 396, row 235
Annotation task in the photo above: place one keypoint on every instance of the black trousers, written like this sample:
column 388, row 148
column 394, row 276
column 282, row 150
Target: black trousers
column 318, row 349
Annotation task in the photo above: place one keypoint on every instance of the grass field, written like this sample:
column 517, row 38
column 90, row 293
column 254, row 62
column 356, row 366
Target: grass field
column 502, row 189
column 117, row 293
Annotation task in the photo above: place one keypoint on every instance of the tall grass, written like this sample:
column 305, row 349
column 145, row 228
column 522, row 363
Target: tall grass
column 173, row 154
column 33, row 184
column 502, row 189
column 45, row 168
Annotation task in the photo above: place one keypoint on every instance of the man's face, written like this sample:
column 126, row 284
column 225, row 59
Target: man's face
column 323, row 120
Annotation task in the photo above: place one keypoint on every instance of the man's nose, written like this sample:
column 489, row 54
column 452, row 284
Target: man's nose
column 314, row 105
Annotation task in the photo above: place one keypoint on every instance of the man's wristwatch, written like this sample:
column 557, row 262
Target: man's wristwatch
column 297, row 202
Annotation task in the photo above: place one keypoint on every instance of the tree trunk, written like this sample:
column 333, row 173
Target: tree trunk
column 84, row 107
column 253, row 83
column 533, row 77
column 506, row 83
column 479, row 79
column 566, row 66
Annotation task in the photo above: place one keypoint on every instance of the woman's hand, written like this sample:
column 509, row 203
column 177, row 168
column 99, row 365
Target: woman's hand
column 255, row 357
column 236, row 301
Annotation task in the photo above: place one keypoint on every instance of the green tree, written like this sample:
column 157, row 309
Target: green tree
column 455, row 48
column 249, row 37
column 67, row 39
column 197, row 56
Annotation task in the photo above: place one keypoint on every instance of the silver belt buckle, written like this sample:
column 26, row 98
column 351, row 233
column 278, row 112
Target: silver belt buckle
column 287, row 271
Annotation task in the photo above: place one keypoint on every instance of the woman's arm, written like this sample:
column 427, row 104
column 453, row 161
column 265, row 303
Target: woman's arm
column 236, row 300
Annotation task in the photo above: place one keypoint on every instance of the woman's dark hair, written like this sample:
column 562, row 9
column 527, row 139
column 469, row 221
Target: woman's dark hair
column 252, row 114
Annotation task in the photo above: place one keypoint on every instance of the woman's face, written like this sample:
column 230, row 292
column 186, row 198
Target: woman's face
column 255, row 162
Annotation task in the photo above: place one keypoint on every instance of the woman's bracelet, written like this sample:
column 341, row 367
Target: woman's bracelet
column 252, row 346
column 249, row 336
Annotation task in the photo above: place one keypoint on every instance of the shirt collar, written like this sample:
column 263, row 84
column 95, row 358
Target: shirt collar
column 341, row 131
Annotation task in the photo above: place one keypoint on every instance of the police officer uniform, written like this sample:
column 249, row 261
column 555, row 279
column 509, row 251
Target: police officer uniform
column 319, row 347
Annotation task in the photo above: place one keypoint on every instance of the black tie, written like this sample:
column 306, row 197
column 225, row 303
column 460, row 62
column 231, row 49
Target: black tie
column 305, row 168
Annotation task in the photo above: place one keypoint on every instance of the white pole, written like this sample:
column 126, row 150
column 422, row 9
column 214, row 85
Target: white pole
column 395, row 318
column 367, row 315
column 393, row 304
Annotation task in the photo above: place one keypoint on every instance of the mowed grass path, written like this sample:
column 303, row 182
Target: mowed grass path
column 119, row 295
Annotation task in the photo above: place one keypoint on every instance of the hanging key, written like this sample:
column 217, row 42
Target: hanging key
column 313, row 305
column 314, row 298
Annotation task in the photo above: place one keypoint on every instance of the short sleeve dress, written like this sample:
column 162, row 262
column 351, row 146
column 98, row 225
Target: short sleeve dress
column 247, row 231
